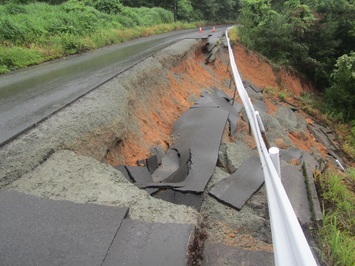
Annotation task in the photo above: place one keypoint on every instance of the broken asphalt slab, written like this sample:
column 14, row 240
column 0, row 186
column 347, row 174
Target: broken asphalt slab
column 200, row 131
column 309, row 164
column 221, row 254
column 191, row 159
column 294, row 183
column 186, row 198
column 198, row 134
column 39, row 231
column 221, row 100
column 290, row 154
column 240, row 186
column 327, row 137
column 142, row 243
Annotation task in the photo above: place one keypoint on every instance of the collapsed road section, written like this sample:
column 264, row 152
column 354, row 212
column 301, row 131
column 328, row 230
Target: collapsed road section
column 188, row 152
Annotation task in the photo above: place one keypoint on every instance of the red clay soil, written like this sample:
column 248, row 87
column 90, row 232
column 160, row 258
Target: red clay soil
column 187, row 81
column 258, row 70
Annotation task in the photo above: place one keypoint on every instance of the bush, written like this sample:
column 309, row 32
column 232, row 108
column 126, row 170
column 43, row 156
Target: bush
column 108, row 6
column 17, row 57
column 11, row 30
column 341, row 95
column 14, row 9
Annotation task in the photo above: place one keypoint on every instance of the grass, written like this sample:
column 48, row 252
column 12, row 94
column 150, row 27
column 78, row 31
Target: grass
column 38, row 32
column 233, row 34
column 337, row 232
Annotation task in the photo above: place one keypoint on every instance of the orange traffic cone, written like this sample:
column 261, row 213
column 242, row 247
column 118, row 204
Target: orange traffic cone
column 200, row 30
column 214, row 29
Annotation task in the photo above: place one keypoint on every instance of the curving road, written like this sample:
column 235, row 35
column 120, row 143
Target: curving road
column 31, row 95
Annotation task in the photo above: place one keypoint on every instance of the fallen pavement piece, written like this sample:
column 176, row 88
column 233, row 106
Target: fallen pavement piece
column 248, row 84
column 240, row 186
column 253, row 91
column 221, row 100
column 221, row 254
column 140, row 174
column 152, row 163
column 125, row 173
column 309, row 164
column 39, row 231
column 325, row 135
column 260, row 106
column 186, row 198
column 200, row 131
column 289, row 154
column 142, row 243
column 198, row 134
column 169, row 164
column 294, row 183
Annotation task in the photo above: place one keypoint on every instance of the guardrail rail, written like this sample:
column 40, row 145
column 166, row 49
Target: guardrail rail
column 289, row 241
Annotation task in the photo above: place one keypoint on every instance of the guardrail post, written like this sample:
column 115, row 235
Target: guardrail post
column 275, row 158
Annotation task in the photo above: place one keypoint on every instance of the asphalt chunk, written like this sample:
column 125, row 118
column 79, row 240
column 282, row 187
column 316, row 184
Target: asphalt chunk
column 200, row 131
column 152, row 163
column 186, row 198
column 236, row 189
column 142, row 243
column 140, row 174
column 39, row 231
column 291, row 153
column 294, row 183
column 221, row 254
column 169, row 164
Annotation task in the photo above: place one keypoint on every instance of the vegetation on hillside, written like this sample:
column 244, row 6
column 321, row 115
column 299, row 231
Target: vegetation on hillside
column 315, row 37
column 38, row 32
column 337, row 233
column 35, row 31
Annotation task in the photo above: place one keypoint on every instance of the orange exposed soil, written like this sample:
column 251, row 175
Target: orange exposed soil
column 259, row 71
column 254, row 68
column 186, row 81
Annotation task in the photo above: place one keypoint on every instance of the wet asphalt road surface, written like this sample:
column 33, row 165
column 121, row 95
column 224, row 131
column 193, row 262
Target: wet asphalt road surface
column 30, row 95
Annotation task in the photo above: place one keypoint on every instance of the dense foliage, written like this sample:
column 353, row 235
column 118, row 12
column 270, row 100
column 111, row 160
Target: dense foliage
column 341, row 93
column 308, row 35
column 192, row 10
column 337, row 232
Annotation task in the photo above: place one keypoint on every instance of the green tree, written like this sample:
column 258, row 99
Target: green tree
column 185, row 11
column 278, row 35
column 341, row 94
column 331, row 36
column 108, row 6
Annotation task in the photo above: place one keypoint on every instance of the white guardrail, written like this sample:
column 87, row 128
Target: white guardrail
column 290, row 244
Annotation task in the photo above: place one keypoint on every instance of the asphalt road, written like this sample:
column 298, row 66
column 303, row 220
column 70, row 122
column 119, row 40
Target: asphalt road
column 30, row 95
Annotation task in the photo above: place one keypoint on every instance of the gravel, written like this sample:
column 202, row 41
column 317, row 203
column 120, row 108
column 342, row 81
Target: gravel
column 78, row 178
